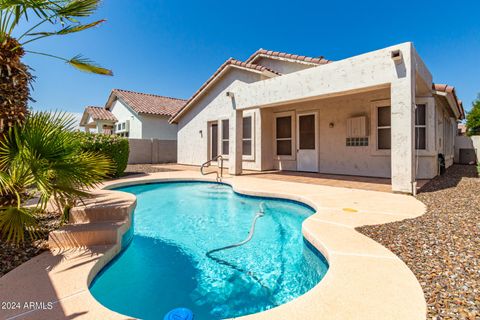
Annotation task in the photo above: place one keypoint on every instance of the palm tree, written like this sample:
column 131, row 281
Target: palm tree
column 41, row 158
column 15, row 78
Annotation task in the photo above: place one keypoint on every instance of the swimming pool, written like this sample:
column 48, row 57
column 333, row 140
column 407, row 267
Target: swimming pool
column 175, row 224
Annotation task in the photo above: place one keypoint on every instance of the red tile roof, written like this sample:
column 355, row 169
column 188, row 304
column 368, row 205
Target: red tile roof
column 278, row 54
column 229, row 62
column 149, row 103
column 450, row 90
column 99, row 113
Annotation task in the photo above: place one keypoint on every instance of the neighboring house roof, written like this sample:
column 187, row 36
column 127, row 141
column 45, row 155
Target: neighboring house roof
column 216, row 75
column 145, row 103
column 261, row 53
column 449, row 90
column 96, row 113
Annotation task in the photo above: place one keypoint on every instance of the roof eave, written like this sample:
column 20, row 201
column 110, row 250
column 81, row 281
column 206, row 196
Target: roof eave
column 258, row 56
column 226, row 68
column 452, row 103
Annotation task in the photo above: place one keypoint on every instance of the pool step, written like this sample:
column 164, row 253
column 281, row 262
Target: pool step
column 111, row 206
column 88, row 234
column 99, row 220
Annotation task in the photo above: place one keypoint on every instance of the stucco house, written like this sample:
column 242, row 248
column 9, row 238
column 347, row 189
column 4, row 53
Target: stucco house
column 98, row 120
column 134, row 115
column 377, row 114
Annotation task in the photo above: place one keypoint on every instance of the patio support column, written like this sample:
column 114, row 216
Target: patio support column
column 403, row 126
column 236, row 143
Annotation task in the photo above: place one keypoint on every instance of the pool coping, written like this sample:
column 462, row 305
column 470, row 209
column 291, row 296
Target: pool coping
column 364, row 280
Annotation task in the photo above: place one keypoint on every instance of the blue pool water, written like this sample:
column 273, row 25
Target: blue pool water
column 165, row 265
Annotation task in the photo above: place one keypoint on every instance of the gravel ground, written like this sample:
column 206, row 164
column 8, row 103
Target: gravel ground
column 11, row 256
column 442, row 247
column 144, row 168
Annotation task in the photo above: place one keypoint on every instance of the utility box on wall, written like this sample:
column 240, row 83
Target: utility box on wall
column 357, row 127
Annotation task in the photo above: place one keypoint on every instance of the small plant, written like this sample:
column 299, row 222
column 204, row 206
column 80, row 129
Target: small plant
column 40, row 160
column 473, row 118
column 114, row 147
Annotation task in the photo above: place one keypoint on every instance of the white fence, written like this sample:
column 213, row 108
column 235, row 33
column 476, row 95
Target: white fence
column 470, row 143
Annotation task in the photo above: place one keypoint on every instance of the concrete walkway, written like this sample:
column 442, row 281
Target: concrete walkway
column 364, row 281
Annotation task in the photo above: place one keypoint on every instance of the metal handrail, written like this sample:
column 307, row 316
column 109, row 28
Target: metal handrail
column 208, row 163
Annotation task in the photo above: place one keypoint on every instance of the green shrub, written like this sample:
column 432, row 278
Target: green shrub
column 115, row 147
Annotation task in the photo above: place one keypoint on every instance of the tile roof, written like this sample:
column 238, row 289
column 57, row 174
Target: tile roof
column 450, row 90
column 99, row 113
column 229, row 62
column 149, row 103
column 278, row 54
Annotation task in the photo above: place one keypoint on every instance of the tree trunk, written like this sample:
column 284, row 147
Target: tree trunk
column 15, row 81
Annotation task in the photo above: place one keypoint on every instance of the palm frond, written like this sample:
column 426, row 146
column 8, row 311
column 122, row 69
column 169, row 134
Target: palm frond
column 68, row 30
column 86, row 65
column 78, row 8
column 15, row 221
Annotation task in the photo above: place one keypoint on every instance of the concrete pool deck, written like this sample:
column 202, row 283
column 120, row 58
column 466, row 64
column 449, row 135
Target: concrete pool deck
column 364, row 281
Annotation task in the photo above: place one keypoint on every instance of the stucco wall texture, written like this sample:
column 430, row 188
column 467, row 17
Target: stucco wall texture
column 144, row 126
column 337, row 91
column 152, row 151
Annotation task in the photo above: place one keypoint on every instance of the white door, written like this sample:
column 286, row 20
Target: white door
column 307, row 142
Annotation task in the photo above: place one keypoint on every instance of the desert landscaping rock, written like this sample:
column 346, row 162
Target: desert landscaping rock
column 442, row 247
column 11, row 256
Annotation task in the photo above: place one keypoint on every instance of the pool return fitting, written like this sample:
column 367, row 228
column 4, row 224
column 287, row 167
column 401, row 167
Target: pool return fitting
column 259, row 214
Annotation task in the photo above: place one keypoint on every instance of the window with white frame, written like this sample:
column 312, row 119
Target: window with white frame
column 421, row 127
column 384, row 128
column 283, row 135
column 247, row 139
column 225, row 136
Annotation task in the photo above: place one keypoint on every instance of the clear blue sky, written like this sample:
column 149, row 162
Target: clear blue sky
column 171, row 47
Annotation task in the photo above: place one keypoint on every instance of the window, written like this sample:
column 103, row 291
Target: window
column 119, row 126
column 420, row 127
column 225, row 136
column 247, row 136
column 357, row 142
column 384, row 128
column 283, row 135
column 123, row 126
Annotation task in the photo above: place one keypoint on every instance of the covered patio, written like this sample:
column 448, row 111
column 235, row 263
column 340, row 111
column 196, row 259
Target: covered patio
column 332, row 180
column 380, row 102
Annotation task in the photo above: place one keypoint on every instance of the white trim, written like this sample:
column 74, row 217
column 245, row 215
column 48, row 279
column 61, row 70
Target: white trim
column 317, row 138
column 429, row 126
column 250, row 114
column 209, row 138
column 220, row 137
column 276, row 115
column 374, row 128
